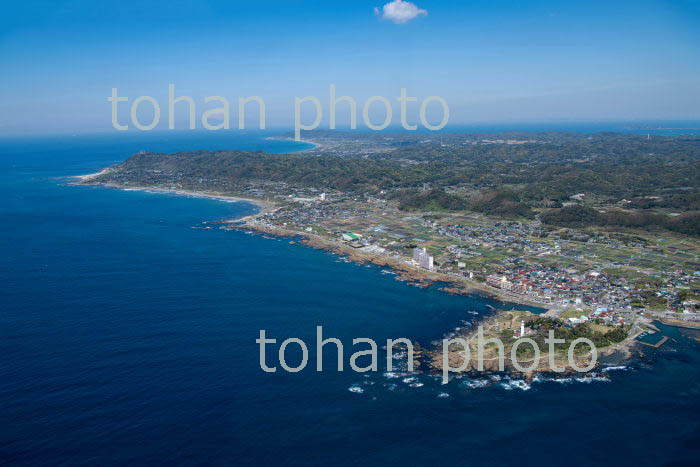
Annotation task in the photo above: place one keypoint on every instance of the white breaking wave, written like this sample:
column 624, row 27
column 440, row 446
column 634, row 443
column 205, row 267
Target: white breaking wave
column 516, row 384
column 476, row 383
column 614, row 368
column 593, row 378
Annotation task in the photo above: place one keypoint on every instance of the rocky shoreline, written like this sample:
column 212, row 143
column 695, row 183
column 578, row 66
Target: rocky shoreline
column 431, row 359
column 404, row 272
column 493, row 326
column 427, row 358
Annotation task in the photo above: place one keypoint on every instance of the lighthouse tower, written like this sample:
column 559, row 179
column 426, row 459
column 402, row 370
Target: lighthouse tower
column 522, row 328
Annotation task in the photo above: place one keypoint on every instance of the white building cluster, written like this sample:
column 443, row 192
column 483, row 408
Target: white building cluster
column 422, row 258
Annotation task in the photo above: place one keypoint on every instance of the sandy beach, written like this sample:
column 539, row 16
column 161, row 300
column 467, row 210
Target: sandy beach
column 308, row 141
column 264, row 206
column 88, row 177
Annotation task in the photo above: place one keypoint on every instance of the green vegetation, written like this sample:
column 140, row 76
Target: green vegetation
column 433, row 200
column 580, row 216
column 600, row 339
column 504, row 203
column 571, row 313
column 488, row 174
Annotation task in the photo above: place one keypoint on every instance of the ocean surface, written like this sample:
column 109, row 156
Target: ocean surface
column 128, row 338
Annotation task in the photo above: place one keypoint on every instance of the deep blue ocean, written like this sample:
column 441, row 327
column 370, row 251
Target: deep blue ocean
column 128, row 338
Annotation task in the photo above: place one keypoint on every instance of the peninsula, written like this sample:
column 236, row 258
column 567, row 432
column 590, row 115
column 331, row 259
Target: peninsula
column 600, row 230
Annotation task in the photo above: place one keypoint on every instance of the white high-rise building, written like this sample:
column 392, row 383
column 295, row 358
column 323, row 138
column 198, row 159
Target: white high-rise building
column 427, row 262
column 424, row 260
column 417, row 252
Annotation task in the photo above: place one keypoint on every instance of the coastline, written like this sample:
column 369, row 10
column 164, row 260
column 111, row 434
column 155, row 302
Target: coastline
column 88, row 177
column 264, row 206
column 619, row 352
column 679, row 323
column 287, row 138
column 492, row 327
column 404, row 272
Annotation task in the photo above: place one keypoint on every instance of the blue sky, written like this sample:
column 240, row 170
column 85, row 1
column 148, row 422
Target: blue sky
column 491, row 61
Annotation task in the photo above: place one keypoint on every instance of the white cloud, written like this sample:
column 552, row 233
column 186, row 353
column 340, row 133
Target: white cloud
column 399, row 11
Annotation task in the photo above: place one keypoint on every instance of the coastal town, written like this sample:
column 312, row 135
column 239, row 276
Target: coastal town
column 579, row 276
column 603, row 259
